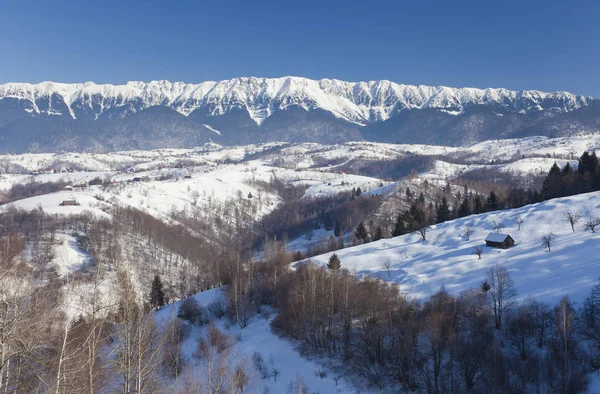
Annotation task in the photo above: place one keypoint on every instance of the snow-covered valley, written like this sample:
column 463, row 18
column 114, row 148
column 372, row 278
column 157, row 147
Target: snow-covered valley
column 184, row 215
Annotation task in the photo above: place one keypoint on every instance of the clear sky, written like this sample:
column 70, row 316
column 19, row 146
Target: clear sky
column 526, row 44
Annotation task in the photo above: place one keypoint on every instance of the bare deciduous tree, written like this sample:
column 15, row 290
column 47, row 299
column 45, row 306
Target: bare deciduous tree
column 501, row 292
column 573, row 219
column 478, row 250
column 498, row 226
column 592, row 223
column 519, row 221
column 423, row 233
column 387, row 265
column 468, row 232
column 548, row 241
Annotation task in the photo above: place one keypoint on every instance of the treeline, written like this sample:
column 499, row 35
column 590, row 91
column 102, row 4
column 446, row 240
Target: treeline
column 568, row 182
column 421, row 215
column 20, row 191
column 299, row 216
column 480, row 341
column 395, row 169
column 558, row 183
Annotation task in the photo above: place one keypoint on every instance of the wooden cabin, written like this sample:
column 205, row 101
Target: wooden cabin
column 500, row 241
column 69, row 202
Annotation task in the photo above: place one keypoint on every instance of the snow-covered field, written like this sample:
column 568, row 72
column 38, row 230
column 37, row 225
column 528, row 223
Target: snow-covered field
column 446, row 258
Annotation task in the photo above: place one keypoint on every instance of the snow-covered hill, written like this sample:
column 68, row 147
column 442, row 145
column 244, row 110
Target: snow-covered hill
column 357, row 102
column 446, row 258
column 257, row 337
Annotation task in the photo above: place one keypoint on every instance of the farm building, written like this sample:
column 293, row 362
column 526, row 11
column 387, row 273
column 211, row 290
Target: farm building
column 68, row 188
column 69, row 202
column 501, row 241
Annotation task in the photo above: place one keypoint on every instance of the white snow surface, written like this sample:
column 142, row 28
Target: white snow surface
column 446, row 258
column 256, row 337
column 358, row 102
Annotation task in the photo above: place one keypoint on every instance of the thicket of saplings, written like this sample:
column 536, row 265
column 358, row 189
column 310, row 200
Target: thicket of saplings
column 480, row 341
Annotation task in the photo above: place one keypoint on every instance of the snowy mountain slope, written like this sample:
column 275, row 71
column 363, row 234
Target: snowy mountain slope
column 357, row 102
column 446, row 258
column 49, row 116
column 256, row 337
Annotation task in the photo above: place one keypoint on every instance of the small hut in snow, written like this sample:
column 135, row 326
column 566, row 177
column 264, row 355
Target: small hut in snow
column 501, row 241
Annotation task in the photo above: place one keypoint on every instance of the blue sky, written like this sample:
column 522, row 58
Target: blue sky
column 549, row 45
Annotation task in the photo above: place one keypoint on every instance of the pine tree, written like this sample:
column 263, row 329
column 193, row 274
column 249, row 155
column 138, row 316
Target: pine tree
column 337, row 228
column 358, row 192
column 585, row 163
column 552, row 183
column 328, row 221
column 361, row 233
column 334, row 263
column 400, row 228
column 477, row 204
column 493, row 203
column 409, row 195
column 417, row 214
column 465, row 208
column 378, row 234
column 443, row 213
column 157, row 295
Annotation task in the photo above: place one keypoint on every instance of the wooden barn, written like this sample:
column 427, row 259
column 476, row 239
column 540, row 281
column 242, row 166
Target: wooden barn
column 501, row 241
column 69, row 202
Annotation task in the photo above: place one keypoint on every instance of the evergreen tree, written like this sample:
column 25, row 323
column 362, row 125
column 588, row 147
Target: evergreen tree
column 358, row 192
column 585, row 163
column 448, row 189
column 400, row 228
column 328, row 221
column 465, row 208
column 157, row 295
column 334, row 263
column 378, row 234
column 477, row 204
column 492, row 203
column 361, row 233
column 443, row 213
column 337, row 228
column 421, row 198
column 409, row 195
column 552, row 183
column 417, row 214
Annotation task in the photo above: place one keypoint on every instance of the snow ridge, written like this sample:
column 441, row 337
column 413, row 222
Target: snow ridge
column 357, row 102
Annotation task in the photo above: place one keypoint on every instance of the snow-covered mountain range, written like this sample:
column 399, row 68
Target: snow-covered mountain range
column 50, row 117
column 357, row 102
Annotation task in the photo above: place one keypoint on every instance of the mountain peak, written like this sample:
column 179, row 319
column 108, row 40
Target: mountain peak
column 357, row 102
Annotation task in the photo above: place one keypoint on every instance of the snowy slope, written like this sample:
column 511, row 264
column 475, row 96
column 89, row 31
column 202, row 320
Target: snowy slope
column 447, row 259
column 256, row 337
column 358, row 102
